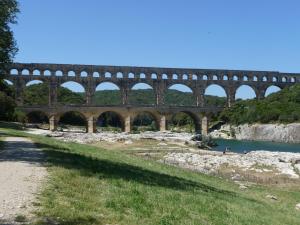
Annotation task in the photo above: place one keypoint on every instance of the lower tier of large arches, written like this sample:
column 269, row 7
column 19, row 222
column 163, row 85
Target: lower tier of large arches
column 120, row 119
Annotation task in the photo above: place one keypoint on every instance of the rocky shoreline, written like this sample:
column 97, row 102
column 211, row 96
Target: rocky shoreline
column 287, row 133
column 260, row 163
column 256, row 162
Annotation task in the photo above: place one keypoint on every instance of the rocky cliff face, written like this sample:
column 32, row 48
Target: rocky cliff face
column 289, row 133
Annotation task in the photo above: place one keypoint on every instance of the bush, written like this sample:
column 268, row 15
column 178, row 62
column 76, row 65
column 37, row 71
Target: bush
column 7, row 106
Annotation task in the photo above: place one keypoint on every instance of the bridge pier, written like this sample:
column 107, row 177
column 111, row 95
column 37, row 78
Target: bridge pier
column 127, row 123
column 52, row 93
column 91, row 124
column 19, row 92
column 53, row 121
column 163, row 123
column 204, row 125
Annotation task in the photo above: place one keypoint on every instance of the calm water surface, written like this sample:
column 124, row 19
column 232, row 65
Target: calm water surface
column 241, row 146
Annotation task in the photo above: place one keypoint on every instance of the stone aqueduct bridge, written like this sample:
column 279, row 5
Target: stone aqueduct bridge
column 125, row 77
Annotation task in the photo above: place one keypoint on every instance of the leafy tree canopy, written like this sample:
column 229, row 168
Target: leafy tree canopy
column 8, row 49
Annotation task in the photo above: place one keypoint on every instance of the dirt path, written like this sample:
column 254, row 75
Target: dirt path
column 21, row 174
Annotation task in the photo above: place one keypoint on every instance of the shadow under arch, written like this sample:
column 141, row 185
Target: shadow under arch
column 110, row 121
column 39, row 118
column 180, row 95
column 142, row 94
column 72, row 121
column 184, row 121
column 107, row 93
column 145, row 121
column 215, row 95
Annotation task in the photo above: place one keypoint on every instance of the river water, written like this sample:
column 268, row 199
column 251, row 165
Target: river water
column 241, row 146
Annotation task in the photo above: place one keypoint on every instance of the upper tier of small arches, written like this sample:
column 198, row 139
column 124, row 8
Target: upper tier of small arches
column 59, row 70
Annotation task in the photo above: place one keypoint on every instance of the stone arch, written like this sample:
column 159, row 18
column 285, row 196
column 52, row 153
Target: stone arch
column 47, row 73
column 293, row 79
column 235, row 78
column 145, row 121
column 204, row 77
column 71, row 73
column 180, row 95
column 14, row 72
column 164, row 76
column 119, row 75
column 215, row 95
column 72, row 121
column 214, row 77
column 131, row 75
column 35, row 92
column 272, row 89
column 107, row 93
column 83, row 73
column 96, row 74
column 174, row 76
column 264, row 79
column 245, row 92
column 284, row 79
column 142, row 94
column 184, row 77
column 58, row 73
column 8, row 82
column 107, row 75
column 142, row 76
column 39, row 118
column 25, row 72
column 225, row 77
column 153, row 76
column 274, row 79
column 255, row 78
column 33, row 82
column 36, row 72
column 245, row 78
column 110, row 119
column 71, row 92
column 184, row 121
column 194, row 77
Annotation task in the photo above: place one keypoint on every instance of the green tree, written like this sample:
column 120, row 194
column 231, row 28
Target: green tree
column 8, row 49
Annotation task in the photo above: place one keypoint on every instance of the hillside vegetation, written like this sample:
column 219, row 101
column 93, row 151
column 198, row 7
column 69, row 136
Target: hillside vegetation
column 90, row 185
column 35, row 95
column 283, row 106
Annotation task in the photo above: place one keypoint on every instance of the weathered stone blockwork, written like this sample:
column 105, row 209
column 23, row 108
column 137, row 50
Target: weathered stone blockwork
column 90, row 76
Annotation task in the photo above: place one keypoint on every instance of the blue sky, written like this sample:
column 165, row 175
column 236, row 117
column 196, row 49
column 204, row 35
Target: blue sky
column 231, row 34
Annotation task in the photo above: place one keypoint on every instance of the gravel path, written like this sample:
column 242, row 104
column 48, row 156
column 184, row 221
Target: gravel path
column 21, row 174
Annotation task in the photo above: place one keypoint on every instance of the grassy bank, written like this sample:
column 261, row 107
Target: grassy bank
column 90, row 185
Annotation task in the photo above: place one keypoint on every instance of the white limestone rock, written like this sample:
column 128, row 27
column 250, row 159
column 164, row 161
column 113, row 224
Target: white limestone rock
column 289, row 133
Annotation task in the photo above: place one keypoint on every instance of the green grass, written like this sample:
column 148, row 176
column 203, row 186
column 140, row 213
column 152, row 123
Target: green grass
column 90, row 185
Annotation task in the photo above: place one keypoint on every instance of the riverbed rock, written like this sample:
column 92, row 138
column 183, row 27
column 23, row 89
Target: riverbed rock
column 257, row 161
column 289, row 133
column 272, row 197
column 298, row 206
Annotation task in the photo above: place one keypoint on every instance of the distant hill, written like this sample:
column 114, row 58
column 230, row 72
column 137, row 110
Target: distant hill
column 283, row 106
